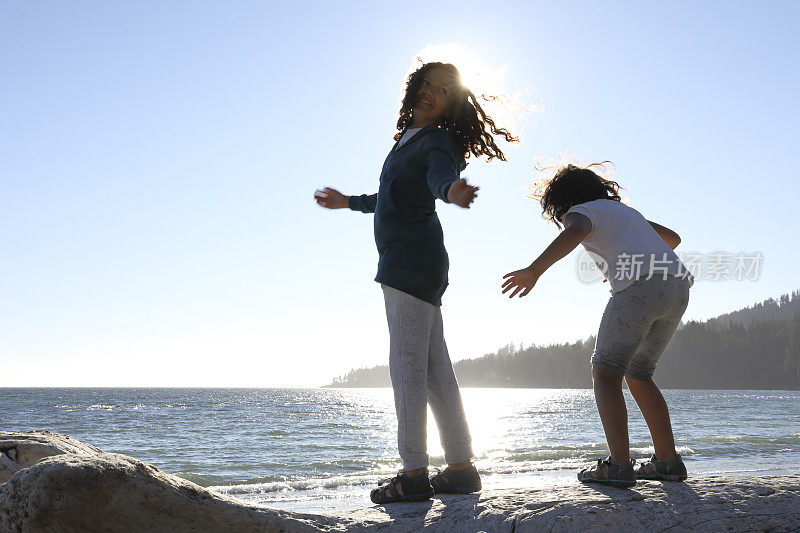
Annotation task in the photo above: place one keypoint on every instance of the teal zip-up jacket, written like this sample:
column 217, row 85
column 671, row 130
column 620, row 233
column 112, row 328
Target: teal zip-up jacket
column 408, row 233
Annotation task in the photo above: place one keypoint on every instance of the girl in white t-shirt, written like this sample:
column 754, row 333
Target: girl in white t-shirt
column 650, row 292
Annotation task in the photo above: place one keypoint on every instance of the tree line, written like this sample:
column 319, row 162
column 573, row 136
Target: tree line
column 756, row 347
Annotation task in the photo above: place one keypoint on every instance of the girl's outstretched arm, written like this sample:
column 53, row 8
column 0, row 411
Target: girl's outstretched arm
column 670, row 237
column 333, row 199
column 576, row 228
column 444, row 166
column 462, row 194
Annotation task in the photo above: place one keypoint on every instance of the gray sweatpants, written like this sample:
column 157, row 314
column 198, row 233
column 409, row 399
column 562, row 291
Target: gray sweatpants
column 422, row 373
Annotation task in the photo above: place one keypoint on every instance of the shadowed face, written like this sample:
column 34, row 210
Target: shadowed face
column 434, row 97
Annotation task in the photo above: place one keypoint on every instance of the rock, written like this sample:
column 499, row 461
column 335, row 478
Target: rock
column 76, row 487
column 7, row 467
column 708, row 504
column 21, row 450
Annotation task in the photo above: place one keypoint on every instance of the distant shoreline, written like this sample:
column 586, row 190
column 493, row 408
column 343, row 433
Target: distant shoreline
column 755, row 348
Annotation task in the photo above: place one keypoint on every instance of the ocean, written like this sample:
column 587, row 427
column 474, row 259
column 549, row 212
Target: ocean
column 322, row 450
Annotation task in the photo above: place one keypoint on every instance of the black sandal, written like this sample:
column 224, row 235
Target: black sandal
column 657, row 470
column 608, row 472
column 452, row 481
column 415, row 489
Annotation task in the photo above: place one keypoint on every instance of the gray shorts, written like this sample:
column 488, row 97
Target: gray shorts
column 637, row 325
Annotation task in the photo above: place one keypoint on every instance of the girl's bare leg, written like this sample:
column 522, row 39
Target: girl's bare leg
column 654, row 409
column 613, row 413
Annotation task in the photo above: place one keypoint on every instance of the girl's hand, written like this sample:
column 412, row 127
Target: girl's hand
column 462, row 194
column 331, row 198
column 520, row 280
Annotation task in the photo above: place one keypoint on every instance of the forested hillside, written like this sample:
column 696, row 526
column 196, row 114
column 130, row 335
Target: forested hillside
column 754, row 348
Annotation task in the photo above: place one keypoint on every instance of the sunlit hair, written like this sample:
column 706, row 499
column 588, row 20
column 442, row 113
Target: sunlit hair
column 466, row 120
column 573, row 185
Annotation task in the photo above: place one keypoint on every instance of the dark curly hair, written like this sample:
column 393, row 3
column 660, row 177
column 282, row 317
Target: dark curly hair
column 573, row 185
column 466, row 120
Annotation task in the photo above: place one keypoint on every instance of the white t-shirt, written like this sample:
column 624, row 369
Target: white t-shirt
column 624, row 244
column 407, row 135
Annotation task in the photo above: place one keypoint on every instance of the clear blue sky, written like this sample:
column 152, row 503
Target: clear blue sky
column 158, row 160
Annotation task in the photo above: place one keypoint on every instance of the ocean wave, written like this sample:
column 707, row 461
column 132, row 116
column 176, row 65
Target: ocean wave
column 205, row 480
column 309, row 484
column 539, row 461
column 733, row 470
column 650, row 450
column 116, row 407
column 584, row 452
column 793, row 438
column 532, row 467
column 547, row 455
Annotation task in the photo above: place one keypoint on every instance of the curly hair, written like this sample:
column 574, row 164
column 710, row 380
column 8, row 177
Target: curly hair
column 573, row 185
column 466, row 120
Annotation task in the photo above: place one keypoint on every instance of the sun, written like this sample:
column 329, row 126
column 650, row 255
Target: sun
column 484, row 80
column 475, row 75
